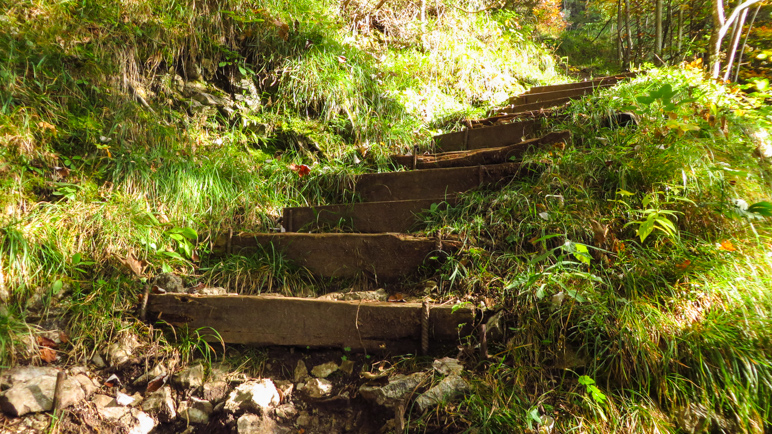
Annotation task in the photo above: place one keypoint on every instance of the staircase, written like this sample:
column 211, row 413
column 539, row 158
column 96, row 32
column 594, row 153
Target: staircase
column 378, row 243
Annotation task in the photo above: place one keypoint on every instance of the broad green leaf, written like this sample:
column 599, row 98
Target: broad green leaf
column 644, row 230
column 582, row 254
column 762, row 208
column 57, row 286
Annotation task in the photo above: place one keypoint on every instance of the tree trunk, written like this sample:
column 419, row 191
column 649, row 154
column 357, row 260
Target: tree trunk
column 745, row 42
column 738, row 31
column 629, row 52
column 658, row 27
column 722, row 25
column 620, row 23
column 679, row 39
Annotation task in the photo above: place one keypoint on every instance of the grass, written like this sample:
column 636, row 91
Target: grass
column 626, row 261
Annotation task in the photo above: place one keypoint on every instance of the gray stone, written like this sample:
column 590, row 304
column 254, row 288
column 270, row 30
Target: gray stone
column 130, row 419
column 448, row 388
column 215, row 391
column 88, row 385
column 190, row 378
column 347, row 366
column 378, row 295
column 119, row 352
column 399, row 387
column 254, row 424
column 285, row 389
column 161, row 403
column 301, row 372
column 22, row 374
column 256, row 395
column 37, row 394
column 324, row 370
column 316, row 388
column 286, row 412
column 98, row 361
column 448, row 366
column 157, row 371
column 168, row 282
column 196, row 410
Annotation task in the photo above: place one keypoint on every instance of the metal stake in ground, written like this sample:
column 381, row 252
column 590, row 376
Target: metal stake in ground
column 425, row 328
column 60, row 378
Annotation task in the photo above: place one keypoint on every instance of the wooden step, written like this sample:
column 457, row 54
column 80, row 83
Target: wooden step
column 488, row 137
column 379, row 256
column 481, row 156
column 532, row 107
column 530, row 98
column 370, row 217
column 377, row 327
column 433, row 183
column 608, row 79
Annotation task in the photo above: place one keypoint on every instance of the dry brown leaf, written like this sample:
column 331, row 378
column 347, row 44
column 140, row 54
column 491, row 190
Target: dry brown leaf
column 48, row 355
column 727, row 246
column 600, row 232
column 684, row 265
column 63, row 337
column 397, row 298
column 282, row 28
column 45, row 342
column 156, row 383
column 134, row 264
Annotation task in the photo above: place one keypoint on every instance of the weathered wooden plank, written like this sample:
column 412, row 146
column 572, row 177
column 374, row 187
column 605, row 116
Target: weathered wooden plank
column 382, row 256
column 607, row 79
column 480, row 156
column 533, row 106
column 490, row 137
column 369, row 217
column 530, row 98
column 286, row 321
column 433, row 183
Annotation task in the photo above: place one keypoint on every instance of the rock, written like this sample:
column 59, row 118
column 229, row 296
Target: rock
column 161, row 403
column 196, row 410
column 210, row 290
column 131, row 420
column 22, row 374
column 255, row 424
column 693, row 418
column 399, row 387
column 255, row 395
column 88, row 384
column 120, row 351
column 378, row 295
column 169, row 282
column 98, row 361
column 245, row 91
column 285, row 389
column 448, row 366
column 286, row 412
column 316, row 388
column 305, row 419
column 347, row 366
column 37, row 394
column 449, row 387
column 495, row 327
column 301, row 372
column 157, row 371
column 190, row 378
column 215, row 391
column 324, row 370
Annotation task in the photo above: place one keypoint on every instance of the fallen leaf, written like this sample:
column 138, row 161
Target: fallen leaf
column 194, row 256
column 47, row 355
column 727, row 246
column 397, row 298
column 600, row 232
column 45, row 342
column 156, row 383
column 619, row 247
column 112, row 381
column 342, row 59
column 301, row 169
column 283, row 29
column 63, row 337
column 134, row 264
column 684, row 265
column 46, row 126
column 61, row 172
column 157, row 290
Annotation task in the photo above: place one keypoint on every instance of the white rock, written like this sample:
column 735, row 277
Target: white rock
column 196, row 410
column 316, row 388
column 253, row 395
column 161, row 403
column 449, row 387
column 301, row 372
column 447, row 366
column 190, row 378
column 324, row 370
column 37, row 394
column 399, row 387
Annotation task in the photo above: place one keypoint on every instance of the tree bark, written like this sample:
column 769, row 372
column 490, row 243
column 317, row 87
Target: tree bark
column 738, row 31
column 721, row 25
column 745, row 42
column 658, row 27
column 620, row 23
column 629, row 51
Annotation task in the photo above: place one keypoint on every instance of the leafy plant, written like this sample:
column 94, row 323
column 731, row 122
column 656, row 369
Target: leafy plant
column 597, row 396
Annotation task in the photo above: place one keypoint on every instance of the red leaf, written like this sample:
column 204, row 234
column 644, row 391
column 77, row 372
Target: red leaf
column 156, row 383
column 47, row 355
column 301, row 169
column 45, row 342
